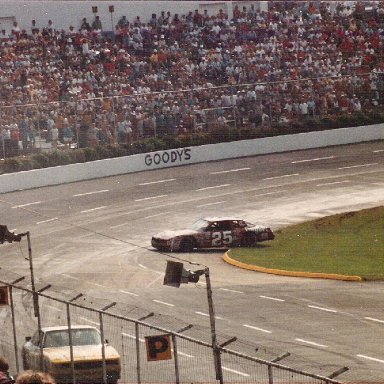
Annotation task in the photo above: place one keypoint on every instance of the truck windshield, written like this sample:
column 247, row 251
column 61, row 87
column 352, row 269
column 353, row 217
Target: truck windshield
column 79, row 337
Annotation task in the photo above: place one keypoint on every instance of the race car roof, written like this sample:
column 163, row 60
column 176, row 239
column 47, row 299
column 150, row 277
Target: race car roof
column 222, row 218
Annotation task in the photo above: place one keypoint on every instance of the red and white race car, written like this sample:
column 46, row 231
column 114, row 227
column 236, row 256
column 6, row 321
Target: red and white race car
column 213, row 232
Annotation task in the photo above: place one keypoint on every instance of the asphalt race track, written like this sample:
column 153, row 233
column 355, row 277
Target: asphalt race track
column 94, row 237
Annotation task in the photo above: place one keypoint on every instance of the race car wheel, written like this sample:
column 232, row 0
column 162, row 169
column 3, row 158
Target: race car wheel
column 187, row 245
column 250, row 240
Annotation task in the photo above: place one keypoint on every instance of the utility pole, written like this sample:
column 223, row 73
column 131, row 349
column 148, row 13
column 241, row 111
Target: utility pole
column 10, row 237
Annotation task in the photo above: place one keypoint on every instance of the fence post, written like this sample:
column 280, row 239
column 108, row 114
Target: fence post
column 2, row 132
column 215, row 347
column 71, row 344
column 103, row 347
column 114, row 118
column 14, row 328
column 35, row 298
column 177, row 374
column 137, row 353
column 270, row 375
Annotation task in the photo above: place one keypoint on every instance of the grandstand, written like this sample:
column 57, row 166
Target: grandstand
column 71, row 80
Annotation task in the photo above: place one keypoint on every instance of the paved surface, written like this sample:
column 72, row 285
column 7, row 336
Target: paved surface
column 94, row 237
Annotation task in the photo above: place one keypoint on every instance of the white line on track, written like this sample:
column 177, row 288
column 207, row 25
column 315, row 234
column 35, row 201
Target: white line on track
column 271, row 298
column 371, row 358
column 157, row 214
column 358, row 166
column 373, row 319
column 143, row 266
column 322, row 309
column 215, row 186
column 378, row 150
column 281, row 177
column 151, row 198
column 89, row 321
column 208, row 204
column 47, row 221
column 91, row 193
column 120, row 225
column 183, row 354
column 230, row 290
column 309, row 160
column 333, row 183
column 133, row 337
column 93, row 209
column 207, row 315
column 84, row 236
column 69, row 276
column 54, row 308
column 129, row 293
column 164, row 303
column 230, row 170
column 26, row 205
column 157, row 182
column 312, row 343
column 234, row 371
column 256, row 328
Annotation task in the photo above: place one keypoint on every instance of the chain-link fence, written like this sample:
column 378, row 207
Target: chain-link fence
column 151, row 349
column 301, row 105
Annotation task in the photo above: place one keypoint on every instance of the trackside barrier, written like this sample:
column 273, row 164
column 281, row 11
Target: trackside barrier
column 191, row 359
column 184, row 156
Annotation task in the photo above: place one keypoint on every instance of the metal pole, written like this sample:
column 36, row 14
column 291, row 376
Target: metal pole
column 76, row 126
column 2, row 133
column 35, row 296
column 215, row 347
column 114, row 118
column 103, row 348
column 270, row 375
column 112, row 26
column 71, row 344
column 137, row 353
column 14, row 328
column 177, row 374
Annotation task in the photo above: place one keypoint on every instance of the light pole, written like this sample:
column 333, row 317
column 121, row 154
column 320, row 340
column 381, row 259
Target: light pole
column 35, row 296
column 175, row 275
column 111, row 9
column 10, row 237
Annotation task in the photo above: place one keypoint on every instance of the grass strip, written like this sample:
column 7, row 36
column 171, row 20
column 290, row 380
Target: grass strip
column 348, row 244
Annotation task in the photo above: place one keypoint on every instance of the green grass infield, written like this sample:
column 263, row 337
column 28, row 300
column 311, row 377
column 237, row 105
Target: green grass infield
column 349, row 244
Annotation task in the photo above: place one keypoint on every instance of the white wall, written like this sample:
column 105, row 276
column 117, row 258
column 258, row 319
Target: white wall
column 184, row 156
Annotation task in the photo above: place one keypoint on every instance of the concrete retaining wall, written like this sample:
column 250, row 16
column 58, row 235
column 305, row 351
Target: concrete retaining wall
column 183, row 156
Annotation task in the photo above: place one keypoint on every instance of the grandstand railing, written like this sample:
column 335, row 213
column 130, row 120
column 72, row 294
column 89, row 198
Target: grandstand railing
column 98, row 120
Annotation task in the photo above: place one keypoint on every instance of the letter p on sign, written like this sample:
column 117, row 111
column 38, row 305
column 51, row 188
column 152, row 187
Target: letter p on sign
column 158, row 347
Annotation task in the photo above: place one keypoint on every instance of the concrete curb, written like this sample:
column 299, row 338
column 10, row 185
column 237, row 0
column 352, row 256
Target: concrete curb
column 281, row 272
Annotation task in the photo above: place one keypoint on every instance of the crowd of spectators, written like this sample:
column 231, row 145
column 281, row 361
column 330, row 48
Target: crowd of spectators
column 177, row 73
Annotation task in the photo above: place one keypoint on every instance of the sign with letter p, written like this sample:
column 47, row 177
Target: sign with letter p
column 158, row 347
column 4, row 295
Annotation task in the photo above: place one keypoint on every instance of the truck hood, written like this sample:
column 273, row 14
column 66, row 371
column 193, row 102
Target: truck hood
column 80, row 353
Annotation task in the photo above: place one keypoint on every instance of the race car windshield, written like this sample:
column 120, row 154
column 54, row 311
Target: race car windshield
column 79, row 337
column 200, row 225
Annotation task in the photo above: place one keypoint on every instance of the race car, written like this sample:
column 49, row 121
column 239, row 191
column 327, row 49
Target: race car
column 212, row 232
column 53, row 343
